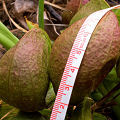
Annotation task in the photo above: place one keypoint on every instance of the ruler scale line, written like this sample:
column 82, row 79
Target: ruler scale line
column 71, row 68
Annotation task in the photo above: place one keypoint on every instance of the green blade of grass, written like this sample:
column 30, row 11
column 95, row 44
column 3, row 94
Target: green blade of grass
column 4, row 30
column 6, row 42
column 41, row 14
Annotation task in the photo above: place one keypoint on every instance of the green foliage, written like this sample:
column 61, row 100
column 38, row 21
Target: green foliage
column 31, row 24
column 96, row 95
column 117, row 13
column 112, row 76
column 5, row 31
column 5, row 108
column 41, row 14
column 89, row 8
column 98, row 116
column 50, row 97
column 83, row 111
column 15, row 114
column 46, row 113
column 7, row 39
column 108, row 84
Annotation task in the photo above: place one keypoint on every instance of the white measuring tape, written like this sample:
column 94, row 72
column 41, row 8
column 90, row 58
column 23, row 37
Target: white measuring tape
column 73, row 63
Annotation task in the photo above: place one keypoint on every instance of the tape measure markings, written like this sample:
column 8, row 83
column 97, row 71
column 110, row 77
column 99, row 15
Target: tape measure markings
column 73, row 63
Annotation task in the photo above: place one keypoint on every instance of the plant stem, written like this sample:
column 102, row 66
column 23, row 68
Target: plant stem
column 4, row 30
column 41, row 14
column 6, row 42
column 102, row 89
column 100, row 102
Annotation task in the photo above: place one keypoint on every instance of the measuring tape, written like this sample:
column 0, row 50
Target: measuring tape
column 73, row 64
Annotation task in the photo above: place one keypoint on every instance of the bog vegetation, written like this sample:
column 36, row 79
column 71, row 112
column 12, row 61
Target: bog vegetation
column 36, row 38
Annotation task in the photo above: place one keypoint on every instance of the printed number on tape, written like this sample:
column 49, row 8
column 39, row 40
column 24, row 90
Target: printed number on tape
column 73, row 63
